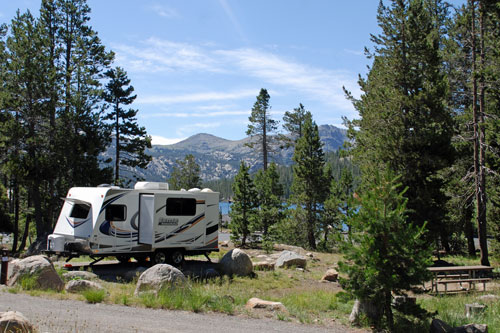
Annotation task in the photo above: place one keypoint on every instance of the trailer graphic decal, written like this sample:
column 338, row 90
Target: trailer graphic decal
column 110, row 201
column 109, row 229
column 75, row 224
column 182, row 228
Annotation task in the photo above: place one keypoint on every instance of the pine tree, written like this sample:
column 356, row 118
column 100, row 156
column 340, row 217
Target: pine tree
column 382, row 259
column 185, row 174
column 28, row 128
column 310, row 182
column 293, row 122
column 244, row 209
column 261, row 126
column 130, row 139
column 269, row 196
column 405, row 125
column 82, row 63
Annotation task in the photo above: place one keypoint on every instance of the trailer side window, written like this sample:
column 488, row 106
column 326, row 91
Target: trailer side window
column 116, row 213
column 80, row 211
column 181, row 206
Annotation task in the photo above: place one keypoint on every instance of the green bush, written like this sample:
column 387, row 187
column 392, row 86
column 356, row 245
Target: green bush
column 28, row 282
column 94, row 296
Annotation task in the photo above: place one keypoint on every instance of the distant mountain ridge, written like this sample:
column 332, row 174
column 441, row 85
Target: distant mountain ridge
column 220, row 158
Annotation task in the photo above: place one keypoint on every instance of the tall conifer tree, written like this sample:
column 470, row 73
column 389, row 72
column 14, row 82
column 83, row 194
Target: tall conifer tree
column 310, row 181
column 405, row 125
column 244, row 209
column 269, row 194
column 261, row 126
column 131, row 140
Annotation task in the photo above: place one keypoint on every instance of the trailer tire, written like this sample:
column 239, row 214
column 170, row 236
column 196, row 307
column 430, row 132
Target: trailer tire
column 159, row 257
column 176, row 257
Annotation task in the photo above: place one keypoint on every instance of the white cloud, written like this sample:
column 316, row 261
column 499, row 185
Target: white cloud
column 318, row 83
column 157, row 55
column 196, row 97
column 292, row 77
column 164, row 11
column 159, row 140
column 195, row 114
column 236, row 24
column 354, row 52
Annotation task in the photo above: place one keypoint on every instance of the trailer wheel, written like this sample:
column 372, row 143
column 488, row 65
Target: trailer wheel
column 176, row 257
column 159, row 257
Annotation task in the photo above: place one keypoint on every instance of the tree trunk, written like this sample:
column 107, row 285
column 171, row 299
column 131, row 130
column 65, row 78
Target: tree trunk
column 117, row 140
column 16, row 216
column 388, row 311
column 264, row 142
column 310, row 227
column 479, row 166
column 25, row 233
column 482, row 199
column 469, row 233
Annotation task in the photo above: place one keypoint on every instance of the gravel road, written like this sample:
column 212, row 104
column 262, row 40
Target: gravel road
column 75, row 316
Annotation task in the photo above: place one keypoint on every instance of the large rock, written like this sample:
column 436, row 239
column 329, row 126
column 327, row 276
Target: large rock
column 331, row 275
column 372, row 310
column 236, row 262
column 439, row 326
column 76, row 286
column 289, row 259
column 257, row 303
column 38, row 267
column 83, row 275
column 158, row 277
column 13, row 321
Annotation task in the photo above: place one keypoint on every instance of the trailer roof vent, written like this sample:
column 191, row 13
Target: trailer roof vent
column 206, row 190
column 151, row 186
column 195, row 189
column 108, row 185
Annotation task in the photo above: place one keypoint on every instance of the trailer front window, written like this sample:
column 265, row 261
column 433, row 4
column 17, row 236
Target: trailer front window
column 116, row 213
column 80, row 211
column 181, row 206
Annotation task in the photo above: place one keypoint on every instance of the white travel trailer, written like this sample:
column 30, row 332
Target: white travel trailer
column 149, row 221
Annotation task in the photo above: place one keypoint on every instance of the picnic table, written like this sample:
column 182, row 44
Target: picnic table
column 459, row 274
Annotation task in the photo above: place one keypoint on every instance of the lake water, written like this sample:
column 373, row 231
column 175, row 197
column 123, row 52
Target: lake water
column 224, row 207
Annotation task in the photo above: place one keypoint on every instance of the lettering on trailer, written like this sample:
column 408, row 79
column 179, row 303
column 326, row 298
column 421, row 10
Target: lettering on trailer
column 168, row 221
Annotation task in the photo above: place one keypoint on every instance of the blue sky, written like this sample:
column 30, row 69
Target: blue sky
column 198, row 65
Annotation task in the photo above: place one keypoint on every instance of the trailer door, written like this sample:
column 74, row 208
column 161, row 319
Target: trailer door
column 146, row 215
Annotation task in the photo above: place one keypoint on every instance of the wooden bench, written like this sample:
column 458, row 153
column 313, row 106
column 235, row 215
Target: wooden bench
column 471, row 282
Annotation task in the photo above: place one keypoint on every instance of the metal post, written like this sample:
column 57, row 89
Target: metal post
column 5, row 266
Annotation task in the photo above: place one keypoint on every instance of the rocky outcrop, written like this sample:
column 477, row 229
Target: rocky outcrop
column 39, row 268
column 291, row 259
column 13, row 321
column 158, row 277
column 331, row 275
column 76, row 286
column 83, row 275
column 236, row 262
column 257, row 303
